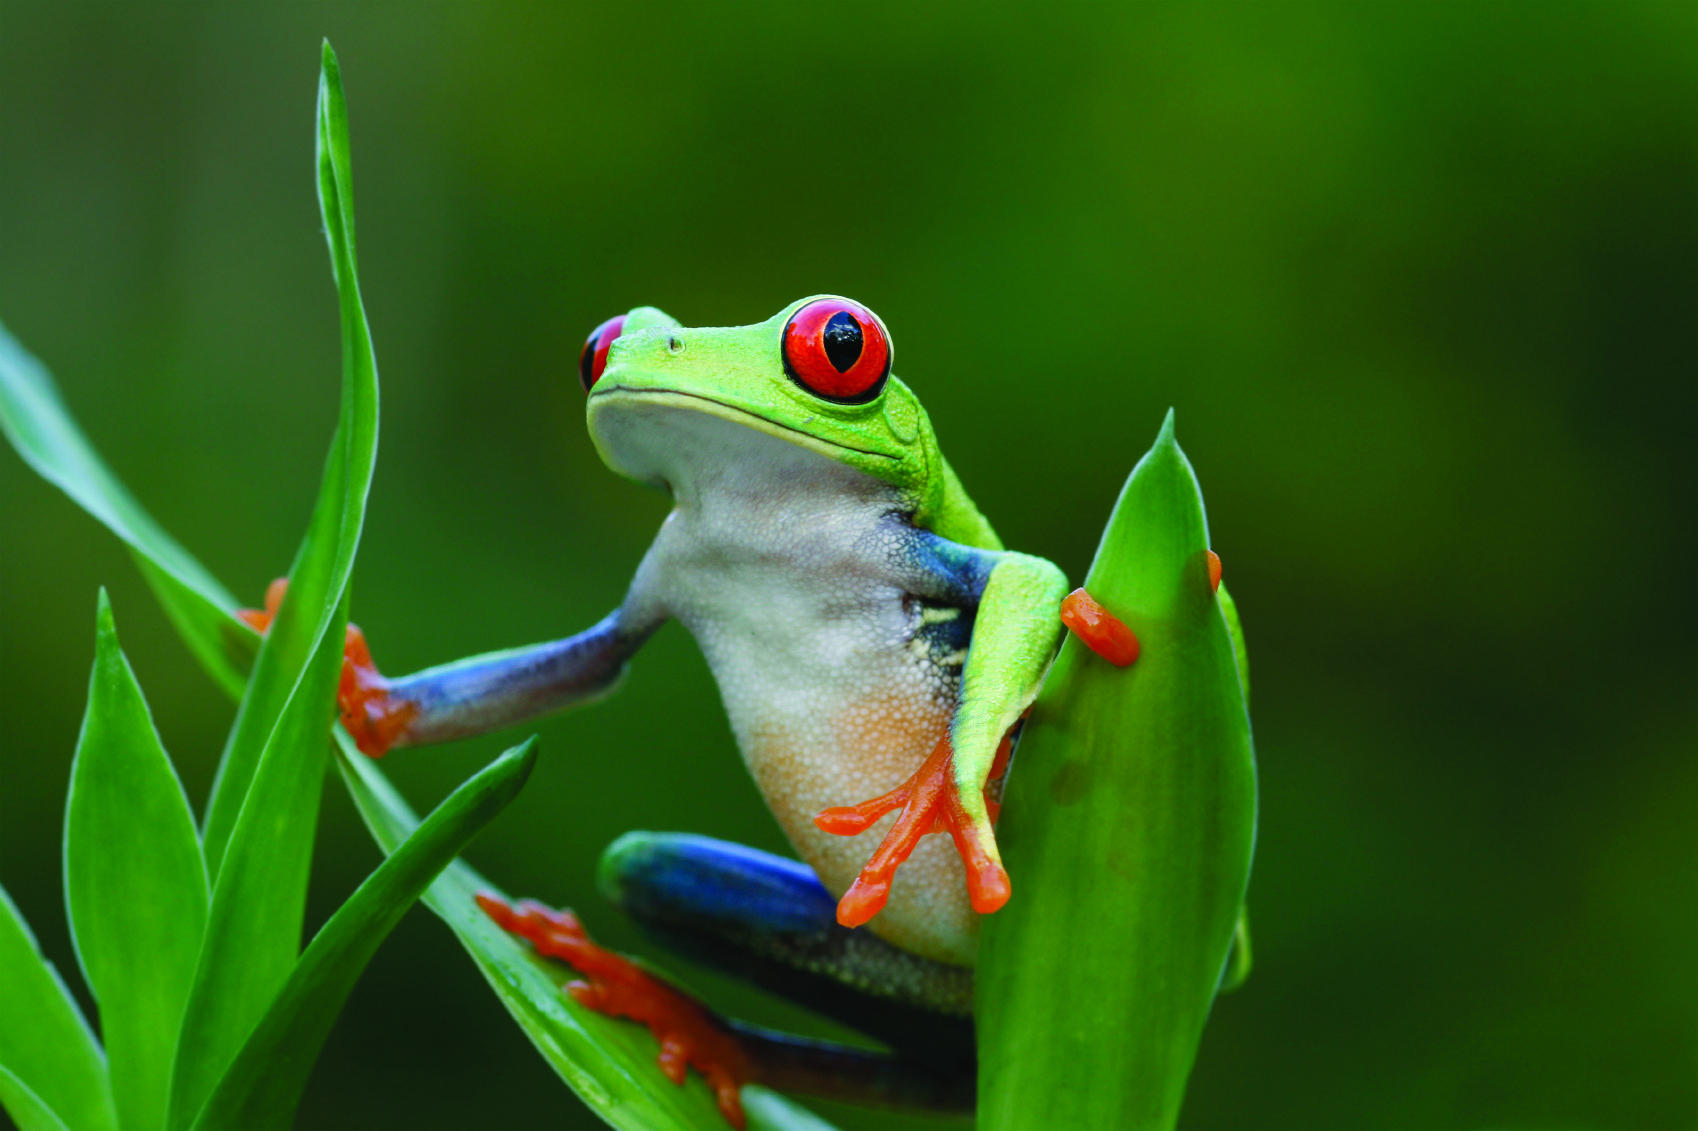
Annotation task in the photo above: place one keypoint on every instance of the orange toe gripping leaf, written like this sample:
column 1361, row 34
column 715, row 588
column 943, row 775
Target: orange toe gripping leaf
column 1102, row 631
column 688, row 1035
column 375, row 718
column 929, row 804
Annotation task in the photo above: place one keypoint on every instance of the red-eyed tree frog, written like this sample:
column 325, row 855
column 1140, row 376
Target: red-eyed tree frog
column 871, row 639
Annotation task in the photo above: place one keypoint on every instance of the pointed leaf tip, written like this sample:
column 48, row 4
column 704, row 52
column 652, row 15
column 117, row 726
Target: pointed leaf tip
column 135, row 881
column 1165, row 436
column 262, row 1086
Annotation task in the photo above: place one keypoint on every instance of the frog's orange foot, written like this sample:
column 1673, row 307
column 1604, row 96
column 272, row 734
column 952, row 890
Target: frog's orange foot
column 688, row 1034
column 929, row 804
column 374, row 717
column 1102, row 631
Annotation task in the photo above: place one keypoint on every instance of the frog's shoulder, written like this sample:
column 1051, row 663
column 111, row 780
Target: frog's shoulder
column 944, row 507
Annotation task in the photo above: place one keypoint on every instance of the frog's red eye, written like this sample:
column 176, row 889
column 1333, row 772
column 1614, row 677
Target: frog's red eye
column 594, row 358
column 837, row 350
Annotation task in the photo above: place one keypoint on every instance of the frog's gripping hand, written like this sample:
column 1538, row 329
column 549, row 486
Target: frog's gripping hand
column 476, row 695
column 1014, row 638
column 689, row 1036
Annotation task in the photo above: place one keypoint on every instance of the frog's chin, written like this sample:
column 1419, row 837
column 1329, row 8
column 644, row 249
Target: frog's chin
column 644, row 433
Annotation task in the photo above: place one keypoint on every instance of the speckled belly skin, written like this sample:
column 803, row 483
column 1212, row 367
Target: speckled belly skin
column 792, row 571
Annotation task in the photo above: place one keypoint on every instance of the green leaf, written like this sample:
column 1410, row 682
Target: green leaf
column 35, row 420
column 1128, row 827
column 609, row 1063
column 263, row 1086
column 135, row 884
column 326, row 558
column 45, row 1045
column 25, row 1107
column 260, row 824
column 253, row 927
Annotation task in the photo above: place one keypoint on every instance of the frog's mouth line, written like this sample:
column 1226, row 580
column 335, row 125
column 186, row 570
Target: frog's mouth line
column 743, row 416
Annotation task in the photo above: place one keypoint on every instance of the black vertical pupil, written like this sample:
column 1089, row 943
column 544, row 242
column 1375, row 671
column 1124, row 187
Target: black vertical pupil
column 843, row 341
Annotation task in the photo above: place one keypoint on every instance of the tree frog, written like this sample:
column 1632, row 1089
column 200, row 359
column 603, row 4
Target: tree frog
column 871, row 639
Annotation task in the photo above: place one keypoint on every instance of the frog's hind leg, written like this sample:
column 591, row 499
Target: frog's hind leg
column 770, row 922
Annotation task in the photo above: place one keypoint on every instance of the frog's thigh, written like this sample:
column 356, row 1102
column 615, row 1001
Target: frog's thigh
column 769, row 921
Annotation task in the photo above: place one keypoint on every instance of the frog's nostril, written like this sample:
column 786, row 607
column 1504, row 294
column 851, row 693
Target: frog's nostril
column 593, row 359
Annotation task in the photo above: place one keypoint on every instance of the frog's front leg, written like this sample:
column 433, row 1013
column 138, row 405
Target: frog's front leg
column 482, row 693
column 1014, row 638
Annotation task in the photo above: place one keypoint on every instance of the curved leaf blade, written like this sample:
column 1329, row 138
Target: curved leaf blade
column 135, row 884
column 35, row 420
column 325, row 561
column 45, row 1044
column 264, row 810
column 25, row 1107
column 263, row 1086
column 1128, row 824
column 253, row 927
column 609, row 1063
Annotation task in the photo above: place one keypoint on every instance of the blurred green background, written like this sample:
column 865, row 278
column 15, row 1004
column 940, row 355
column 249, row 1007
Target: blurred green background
column 1420, row 280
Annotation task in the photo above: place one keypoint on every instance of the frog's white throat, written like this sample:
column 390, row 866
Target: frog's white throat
column 691, row 445
column 662, row 437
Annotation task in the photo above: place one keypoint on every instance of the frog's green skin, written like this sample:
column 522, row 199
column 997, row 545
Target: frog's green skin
column 851, row 600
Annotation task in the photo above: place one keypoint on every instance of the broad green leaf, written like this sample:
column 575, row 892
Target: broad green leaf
column 135, row 884
column 35, row 420
column 263, row 1086
column 25, row 1107
column 326, row 558
column 609, row 1063
column 45, row 1045
column 1128, row 827
column 260, row 823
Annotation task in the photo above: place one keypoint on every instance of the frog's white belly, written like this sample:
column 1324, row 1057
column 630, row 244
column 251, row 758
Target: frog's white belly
column 786, row 566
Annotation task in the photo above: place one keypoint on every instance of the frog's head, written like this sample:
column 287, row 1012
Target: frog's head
column 816, row 374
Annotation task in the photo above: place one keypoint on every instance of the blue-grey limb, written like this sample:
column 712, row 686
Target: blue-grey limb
column 485, row 693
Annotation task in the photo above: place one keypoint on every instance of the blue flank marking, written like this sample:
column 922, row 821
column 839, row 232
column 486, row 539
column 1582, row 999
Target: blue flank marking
column 677, row 876
column 962, row 571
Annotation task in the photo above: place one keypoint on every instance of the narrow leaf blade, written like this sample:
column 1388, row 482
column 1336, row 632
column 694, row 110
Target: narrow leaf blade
column 253, row 926
column 135, row 883
column 609, row 1063
column 45, row 1044
column 263, row 1086
column 25, row 1107
column 35, row 420
column 1128, row 826
column 260, row 822
column 326, row 559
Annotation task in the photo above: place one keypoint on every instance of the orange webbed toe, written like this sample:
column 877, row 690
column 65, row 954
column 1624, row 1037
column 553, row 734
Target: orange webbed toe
column 373, row 717
column 929, row 804
column 1100, row 630
column 689, row 1035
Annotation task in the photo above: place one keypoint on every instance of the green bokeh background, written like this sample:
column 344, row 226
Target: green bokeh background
column 1420, row 280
